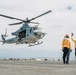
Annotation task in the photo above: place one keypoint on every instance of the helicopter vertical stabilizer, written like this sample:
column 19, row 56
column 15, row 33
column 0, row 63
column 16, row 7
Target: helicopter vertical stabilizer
column 3, row 37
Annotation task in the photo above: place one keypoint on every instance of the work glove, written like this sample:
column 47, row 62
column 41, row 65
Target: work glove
column 62, row 50
column 72, row 34
column 70, row 50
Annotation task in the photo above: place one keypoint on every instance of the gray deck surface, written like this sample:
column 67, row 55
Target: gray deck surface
column 33, row 67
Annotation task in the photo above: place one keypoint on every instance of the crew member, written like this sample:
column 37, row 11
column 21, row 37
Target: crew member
column 66, row 48
column 74, row 40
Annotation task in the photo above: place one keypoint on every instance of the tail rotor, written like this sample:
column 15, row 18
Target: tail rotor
column 4, row 36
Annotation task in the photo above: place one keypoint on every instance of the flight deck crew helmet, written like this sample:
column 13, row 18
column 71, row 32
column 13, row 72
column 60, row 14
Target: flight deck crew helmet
column 66, row 36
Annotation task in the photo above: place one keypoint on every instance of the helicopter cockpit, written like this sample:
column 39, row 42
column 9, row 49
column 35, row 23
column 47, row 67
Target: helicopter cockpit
column 22, row 34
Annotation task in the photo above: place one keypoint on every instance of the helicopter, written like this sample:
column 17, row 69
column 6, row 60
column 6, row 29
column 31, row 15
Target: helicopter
column 26, row 33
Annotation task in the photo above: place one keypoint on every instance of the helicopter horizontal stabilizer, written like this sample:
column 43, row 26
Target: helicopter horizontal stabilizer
column 1, row 41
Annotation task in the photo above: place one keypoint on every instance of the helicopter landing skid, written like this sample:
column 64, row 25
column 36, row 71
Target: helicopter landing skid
column 36, row 44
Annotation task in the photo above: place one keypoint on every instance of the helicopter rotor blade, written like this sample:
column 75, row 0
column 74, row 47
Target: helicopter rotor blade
column 40, row 15
column 26, row 21
column 12, row 17
column 22, row 22
column 16, row 23
column 34, row 22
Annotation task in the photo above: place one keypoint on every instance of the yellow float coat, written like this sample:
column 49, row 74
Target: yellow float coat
column 74, row 41
column 66, row 43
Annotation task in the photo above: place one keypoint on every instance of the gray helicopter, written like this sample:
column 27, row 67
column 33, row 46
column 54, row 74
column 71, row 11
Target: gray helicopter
column 26, row 33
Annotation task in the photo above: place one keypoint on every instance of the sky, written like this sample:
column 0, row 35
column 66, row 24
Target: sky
column 56, row 24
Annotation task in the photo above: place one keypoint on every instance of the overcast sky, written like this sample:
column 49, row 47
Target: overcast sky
column 61, row 21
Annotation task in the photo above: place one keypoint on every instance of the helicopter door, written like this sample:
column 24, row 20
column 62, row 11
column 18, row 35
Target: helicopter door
column 22, row 34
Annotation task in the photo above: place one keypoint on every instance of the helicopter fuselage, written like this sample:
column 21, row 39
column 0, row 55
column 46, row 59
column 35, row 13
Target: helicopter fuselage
column 27, row 40
column 26, row 34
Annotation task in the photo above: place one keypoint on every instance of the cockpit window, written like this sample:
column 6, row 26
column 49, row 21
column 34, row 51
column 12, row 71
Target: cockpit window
column 35, row 34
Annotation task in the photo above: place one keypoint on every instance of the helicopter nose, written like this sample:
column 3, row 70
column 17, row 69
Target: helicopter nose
column 44, row 34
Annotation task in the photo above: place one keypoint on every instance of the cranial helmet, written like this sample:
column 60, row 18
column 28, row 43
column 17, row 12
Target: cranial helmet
column 66, row 36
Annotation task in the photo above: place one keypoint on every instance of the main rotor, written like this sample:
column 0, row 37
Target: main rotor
column 24, row 21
